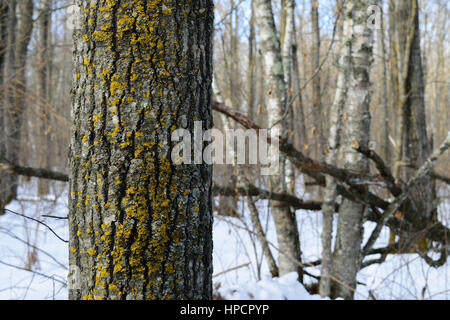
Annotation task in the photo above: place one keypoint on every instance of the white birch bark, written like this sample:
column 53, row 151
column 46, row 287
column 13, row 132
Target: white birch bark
column 285, row 221
column 332, row 151
column 356, row 131
column 287, row 68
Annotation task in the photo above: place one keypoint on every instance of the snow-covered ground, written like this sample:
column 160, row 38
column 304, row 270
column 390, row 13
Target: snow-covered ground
column 239, row 268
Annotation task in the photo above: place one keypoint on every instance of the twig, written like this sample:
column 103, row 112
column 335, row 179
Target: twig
column 38, row 221
column 232, row 269
column 12, row 235
column 55, row 217
column 395, row 205
column 35, row 272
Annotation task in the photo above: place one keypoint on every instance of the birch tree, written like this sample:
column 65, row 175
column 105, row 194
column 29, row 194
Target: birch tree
column 285, row 220
column 140, row 225
column 356, row 132
column 332, row 149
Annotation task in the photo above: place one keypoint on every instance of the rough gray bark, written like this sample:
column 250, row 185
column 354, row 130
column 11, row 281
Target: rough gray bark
column 332, row 152
column 356, row 131
column 285, row 220
column 414, row 146
column 140, row 225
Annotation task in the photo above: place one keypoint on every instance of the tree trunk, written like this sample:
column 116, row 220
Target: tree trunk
column 384, row 92
column 287, row 56
column 17, row 73
column 318, row 136
column 285, row 220
column 45, row 145
column 356, row 131
column 251, row 67
column 4, row 29
column 332, row 152
column 298, row 107
column 414, row 147
column 140, row 224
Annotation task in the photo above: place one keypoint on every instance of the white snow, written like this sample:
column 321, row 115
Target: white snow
column 235, row 247
column 284, row 288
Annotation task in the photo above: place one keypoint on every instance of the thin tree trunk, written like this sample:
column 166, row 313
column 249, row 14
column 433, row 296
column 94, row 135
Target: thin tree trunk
column 45, row 148
column 384, row 92
column 18, row 58
column 140, row 224
column 251, row 67
column 285, row 220
column 318, row 135
column 298, row 107
column 4, row 29
column 356, row 131
column 332, row 152
column 287, row 52
column 261, row 236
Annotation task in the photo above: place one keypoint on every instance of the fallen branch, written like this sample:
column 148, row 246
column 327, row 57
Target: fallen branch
column 261, row 236
column 349, row 183
column 348, row 188
column 384, row 170
column 398, row 201
column 253, row 191
column 12, row 168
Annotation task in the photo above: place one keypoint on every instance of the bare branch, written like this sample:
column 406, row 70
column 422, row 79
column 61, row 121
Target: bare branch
column 395, row 205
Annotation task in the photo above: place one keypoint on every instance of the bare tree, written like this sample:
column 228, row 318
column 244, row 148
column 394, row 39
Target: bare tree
column 16, row 73
column 4, row 29
column 285, row 221
column 356, row 132
column 45, row 155
column 332, row 150
column 414, row 146
column 318, row 135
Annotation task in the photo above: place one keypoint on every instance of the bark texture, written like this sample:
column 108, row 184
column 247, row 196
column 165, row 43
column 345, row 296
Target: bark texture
column 140, row 225
column 414, row 144
column 356, row 131
column 285, row 220
column 332, row 152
